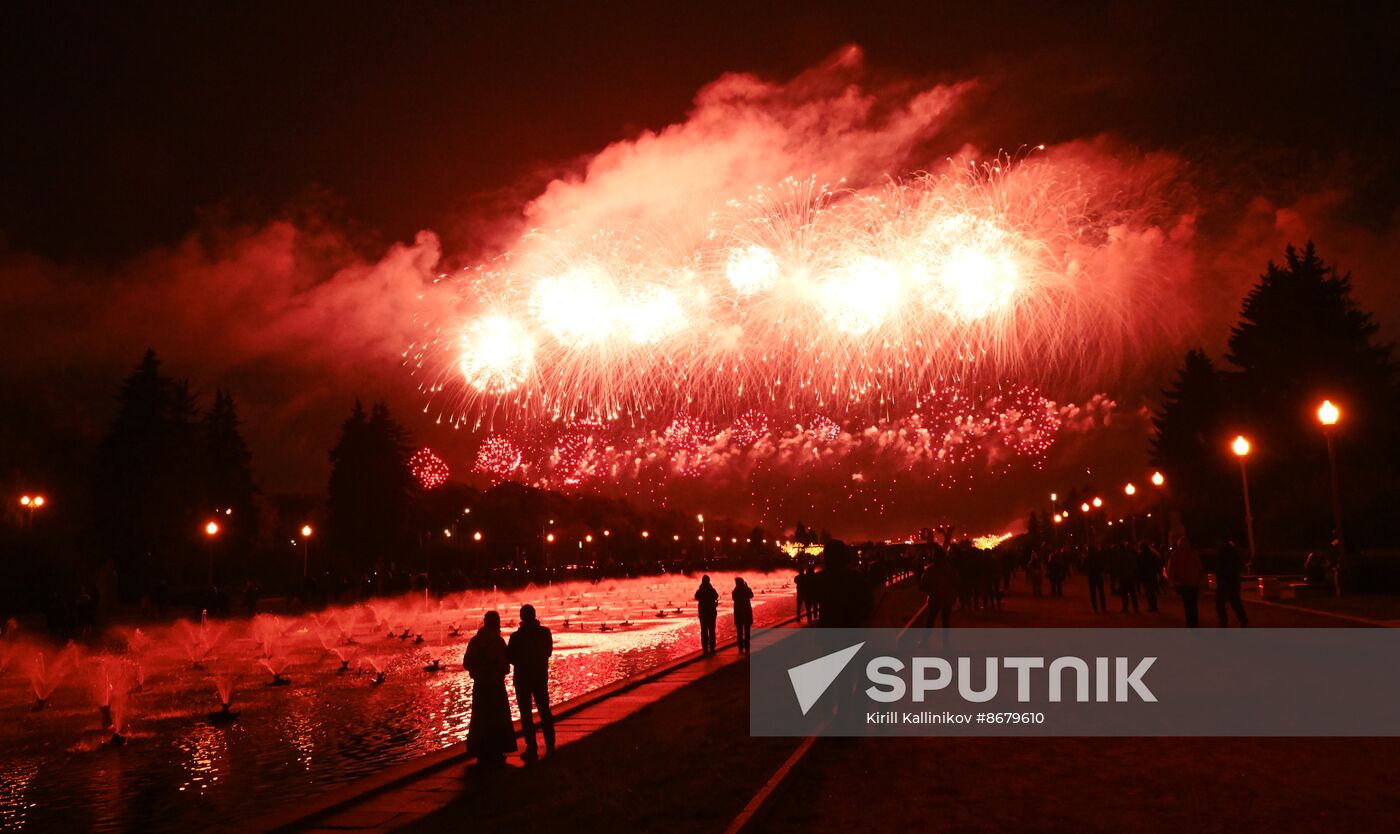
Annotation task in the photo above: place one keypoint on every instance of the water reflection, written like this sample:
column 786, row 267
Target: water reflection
column 206, row 751
column 15, row 802
column 299, row 725
column 330, row 725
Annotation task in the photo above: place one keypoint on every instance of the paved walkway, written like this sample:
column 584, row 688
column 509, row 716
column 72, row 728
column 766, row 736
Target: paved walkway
column 410, row 792
column 1105, row 785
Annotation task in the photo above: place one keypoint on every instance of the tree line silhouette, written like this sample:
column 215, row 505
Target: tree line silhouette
column 1301, row 338
column 131, row 509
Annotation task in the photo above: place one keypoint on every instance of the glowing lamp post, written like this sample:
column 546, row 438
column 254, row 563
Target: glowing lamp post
column 306, row 532
column 1158, row 479
column 211, row 532
column 1241, row 448
column 1329, row 415
column 1130, row 490
column 31, row 504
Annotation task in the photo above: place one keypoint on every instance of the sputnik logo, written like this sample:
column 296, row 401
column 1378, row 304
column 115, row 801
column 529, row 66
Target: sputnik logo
column 810, row 680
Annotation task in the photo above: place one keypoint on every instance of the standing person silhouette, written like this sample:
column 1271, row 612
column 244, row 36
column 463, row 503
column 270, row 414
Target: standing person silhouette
column 529, row 649
column 846, row 600
column 1125, row 567
column 707, row 599
column 811, row 594
column 1094, row 567
column 799, row 583
column 1149, row 574
column 490, row 734
column 1228, row 570
column 1055, row 570
column 1185, row 573
column 743, row 613
column 1035, row 574
column 940, row 584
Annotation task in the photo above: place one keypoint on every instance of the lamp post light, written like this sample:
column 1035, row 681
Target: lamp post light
column 31, row 504
column 1329, row 415
column 306, row 532
column 1241, row 448
column 211, row 531
column 1130, row 490
column 1159, row 480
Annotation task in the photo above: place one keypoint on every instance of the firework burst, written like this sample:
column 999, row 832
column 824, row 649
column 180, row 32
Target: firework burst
column 430, row 470
column 855, row 303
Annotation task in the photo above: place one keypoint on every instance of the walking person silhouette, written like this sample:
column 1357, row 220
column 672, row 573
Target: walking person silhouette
column 1185, row 573
column 1228, row 570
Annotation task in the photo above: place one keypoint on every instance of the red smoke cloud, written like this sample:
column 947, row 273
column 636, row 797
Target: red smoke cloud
column 295, row 322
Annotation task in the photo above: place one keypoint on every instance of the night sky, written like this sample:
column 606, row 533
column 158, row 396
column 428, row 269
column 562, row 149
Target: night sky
column 268, row 157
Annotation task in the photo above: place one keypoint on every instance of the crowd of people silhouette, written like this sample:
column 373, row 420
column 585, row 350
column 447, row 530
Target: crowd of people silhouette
column 954, row 576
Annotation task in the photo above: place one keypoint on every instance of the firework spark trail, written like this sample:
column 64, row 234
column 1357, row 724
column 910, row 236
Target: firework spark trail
column 953, row 441
column 858, row 304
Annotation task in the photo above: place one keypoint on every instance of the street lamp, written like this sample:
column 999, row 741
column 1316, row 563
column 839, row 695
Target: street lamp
column 476, row 537
column 306, row 532
column 30, row 504
column 1241, row 448
column 211, row 530
column 1129, row 489
column 1158, row 479
column 1098, row 502
column 1329, row 415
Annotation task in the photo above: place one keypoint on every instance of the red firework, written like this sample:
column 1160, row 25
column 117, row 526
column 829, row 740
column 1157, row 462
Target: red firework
column 430, row 470
column 498, row 457
column 823, row 428
column 687, row 439
column 749, row 428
